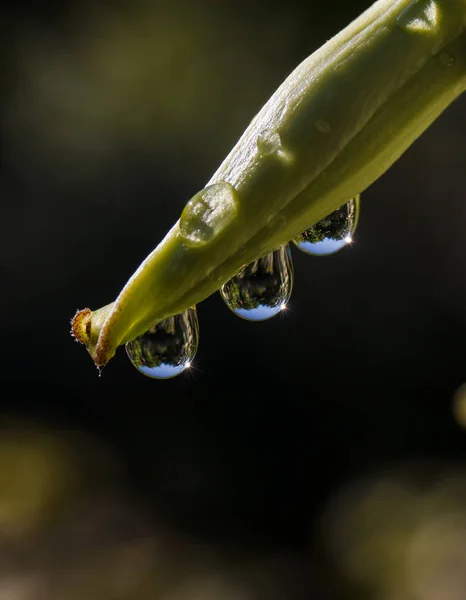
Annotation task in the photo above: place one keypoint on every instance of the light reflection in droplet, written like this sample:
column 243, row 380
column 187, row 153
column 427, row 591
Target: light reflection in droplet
column 262, row 289
column 168, row 348
column 332, row 233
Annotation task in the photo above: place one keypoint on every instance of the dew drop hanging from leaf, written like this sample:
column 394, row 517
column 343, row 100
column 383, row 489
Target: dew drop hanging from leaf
column 168, row 348
column 332, row 233
column 262, row 288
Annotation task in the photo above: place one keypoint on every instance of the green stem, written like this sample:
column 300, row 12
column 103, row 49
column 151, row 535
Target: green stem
column 335, row 125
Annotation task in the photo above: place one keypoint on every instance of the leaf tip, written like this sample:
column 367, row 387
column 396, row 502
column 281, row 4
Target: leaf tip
column 81, row 326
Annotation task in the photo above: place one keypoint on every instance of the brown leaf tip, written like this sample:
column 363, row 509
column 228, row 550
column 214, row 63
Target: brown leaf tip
column 81, row 326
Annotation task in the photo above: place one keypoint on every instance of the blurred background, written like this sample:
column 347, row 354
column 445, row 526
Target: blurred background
column 320, row 454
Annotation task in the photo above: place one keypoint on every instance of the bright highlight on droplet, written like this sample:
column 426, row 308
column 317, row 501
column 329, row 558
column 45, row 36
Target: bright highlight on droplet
column 262, row 289
column 332, row 233
column 168, row 348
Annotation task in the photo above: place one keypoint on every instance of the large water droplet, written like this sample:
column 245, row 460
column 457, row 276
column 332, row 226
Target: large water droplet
column 208, row 213
column 168, row 348
column 332, row 233
column 262, row 288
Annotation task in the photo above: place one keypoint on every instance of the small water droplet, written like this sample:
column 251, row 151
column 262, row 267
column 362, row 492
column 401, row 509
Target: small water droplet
column 323, row 126
column 168, row 348
column 421, row 16
column 332, row 233
column 208, row 213
column 268, row 141
column 447, row 60
column 261, row 289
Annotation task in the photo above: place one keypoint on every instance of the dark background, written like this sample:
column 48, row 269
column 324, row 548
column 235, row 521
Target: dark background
column 113, row 115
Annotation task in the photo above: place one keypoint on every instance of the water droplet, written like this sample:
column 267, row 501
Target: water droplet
column 268, row 141
column 421, row 16
column 332, row 233
column 262, row 288
column 168, row 348
column 323, row 126
column 447, row 60
column 208, row 213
